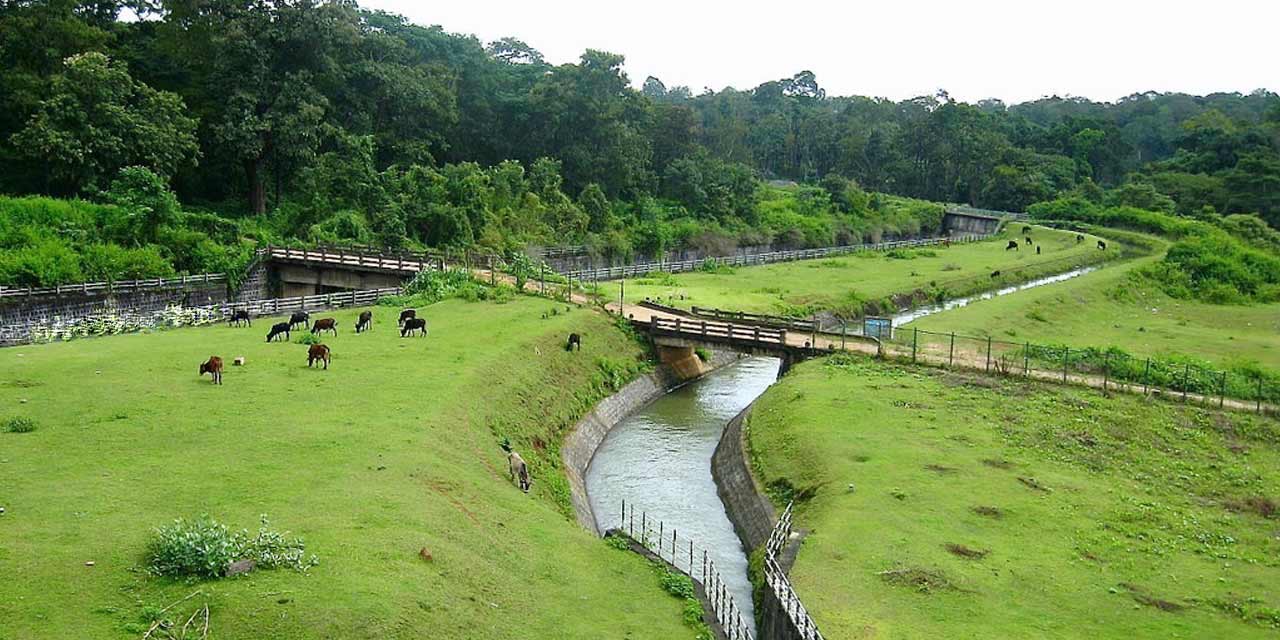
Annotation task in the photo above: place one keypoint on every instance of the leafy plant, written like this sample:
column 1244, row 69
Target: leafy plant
column 203, row 547
column 19, row 424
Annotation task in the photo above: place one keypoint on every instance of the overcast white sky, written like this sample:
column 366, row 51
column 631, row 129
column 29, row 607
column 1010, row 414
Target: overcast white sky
column 1012, row 50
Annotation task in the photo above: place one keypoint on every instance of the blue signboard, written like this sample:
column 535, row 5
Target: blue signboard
column 878, row 328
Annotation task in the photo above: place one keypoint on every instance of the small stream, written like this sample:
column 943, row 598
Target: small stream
column 659, row 459
column 904, row 317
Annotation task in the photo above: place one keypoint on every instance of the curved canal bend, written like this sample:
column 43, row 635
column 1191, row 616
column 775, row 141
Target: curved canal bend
column 659, row 459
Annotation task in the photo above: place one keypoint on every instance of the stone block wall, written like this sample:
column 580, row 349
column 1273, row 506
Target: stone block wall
column 20, row 314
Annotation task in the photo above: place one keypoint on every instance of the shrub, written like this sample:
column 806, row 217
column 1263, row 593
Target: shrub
column 19, row 424
column 703, row 354
column 307, row 338
column 677, row 584
column 203, row 548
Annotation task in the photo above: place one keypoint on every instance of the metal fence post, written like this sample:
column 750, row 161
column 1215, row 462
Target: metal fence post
column 915, row 341
column 1186, row 378
column 1146, row 378
column 988, row 354
column 951, row 356
column 1066, row 361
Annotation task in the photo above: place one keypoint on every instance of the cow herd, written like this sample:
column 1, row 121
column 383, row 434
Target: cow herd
column 317, row 354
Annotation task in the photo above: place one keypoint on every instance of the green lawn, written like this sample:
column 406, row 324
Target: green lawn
column 946, row 506
column 395, row 448
column 1105, row 309
column 813, row 285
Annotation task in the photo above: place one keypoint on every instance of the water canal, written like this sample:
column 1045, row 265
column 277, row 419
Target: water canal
column 659, row 459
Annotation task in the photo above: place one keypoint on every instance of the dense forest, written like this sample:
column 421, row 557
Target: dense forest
column 194, row 128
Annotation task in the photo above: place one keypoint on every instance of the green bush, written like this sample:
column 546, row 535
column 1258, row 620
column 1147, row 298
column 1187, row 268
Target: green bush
column 677, row 584
column 19, row 424
column 308, row 338
column 203, row 548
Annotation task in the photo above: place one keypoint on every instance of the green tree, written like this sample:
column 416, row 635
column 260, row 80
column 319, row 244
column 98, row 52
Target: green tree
column 97, row 119
column 596, row 205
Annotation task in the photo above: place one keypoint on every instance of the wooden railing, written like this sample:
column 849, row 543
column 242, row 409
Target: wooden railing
column 276, row 306
column 742, row 317
column 124, row 286
column 405, row 263
column 712, row 331
column 643, row 268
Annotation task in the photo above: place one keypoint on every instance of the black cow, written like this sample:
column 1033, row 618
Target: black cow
column 1037, row 249
column 1102, row 246
column 240, row 317
column 1026, row 229
column 299, row 318
column 575, row 340
column 1013, row 245
column 1079, row 238
column 414, row 324
column 279, row 329
column 995, row 274
column 365, row 321
column 1028, row 239
column 407, row 314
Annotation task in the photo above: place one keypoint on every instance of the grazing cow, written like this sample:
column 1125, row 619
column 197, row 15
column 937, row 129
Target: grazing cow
column 240, row 317
column 575, row 340
column 407, row 314
column 299, row 318
column 414, row 324
column 365, row 321
column 1026, row 229
column 214, row 368
column 995, row 274
column 518, row 470
column 325, row 324
column 279, row 329
column 1079, row 238
column 1037, row 249
column 1102, row 246
column 1028, row 239
column 1013, row 245
column 318, row 353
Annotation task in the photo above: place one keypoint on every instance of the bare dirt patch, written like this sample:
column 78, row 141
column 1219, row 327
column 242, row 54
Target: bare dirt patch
column 1032, row 483
column 937, row 468
column 988, row 512
column 1260, row 505
column 1144, row 597
column 966, row 552
column 922, row 580
column 999, row 464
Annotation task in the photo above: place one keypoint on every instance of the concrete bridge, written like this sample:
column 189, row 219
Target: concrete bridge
column 962, row 220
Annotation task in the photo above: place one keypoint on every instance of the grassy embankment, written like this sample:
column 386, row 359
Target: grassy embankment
column 1113, row 308
column 948, row 506
column 393, row 449
column 861, row 282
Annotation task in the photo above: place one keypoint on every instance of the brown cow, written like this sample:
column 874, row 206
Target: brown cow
column 214, row 368
column 318, row 353
column 365, row 322
column 407, row 314
column 325, row 324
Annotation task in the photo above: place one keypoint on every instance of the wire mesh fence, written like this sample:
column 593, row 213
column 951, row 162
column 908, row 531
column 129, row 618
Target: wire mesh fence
column 1109, row 369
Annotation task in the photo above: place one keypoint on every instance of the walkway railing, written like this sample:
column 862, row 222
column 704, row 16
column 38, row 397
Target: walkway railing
column 642, row 268
column 713, row 331
column 781, row 585
column 403, row 263
column 121, row 286
column 693, row 560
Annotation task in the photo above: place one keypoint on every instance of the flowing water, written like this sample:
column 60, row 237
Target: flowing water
column 915, row 314
column 659, row 460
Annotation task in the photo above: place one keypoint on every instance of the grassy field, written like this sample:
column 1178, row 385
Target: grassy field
column 798, row 288
column 393, row 449
column 943, row 506
column 1107, row 308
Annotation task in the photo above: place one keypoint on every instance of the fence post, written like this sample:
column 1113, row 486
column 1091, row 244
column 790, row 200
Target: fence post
column 542, row 278
column 915, row 341
column 988, row 354
column 1222, row 391
column 844, row 327
column 951, row 356
column 1259, row 394
column 1146, row 378
column 1186, row 378
column 1026, row 361
column 1066, row 361
column 1106, row 370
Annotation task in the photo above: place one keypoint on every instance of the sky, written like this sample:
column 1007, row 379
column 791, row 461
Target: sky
column 1014, row 51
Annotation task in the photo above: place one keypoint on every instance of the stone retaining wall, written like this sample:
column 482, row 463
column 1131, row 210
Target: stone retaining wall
column 581, row 443
column 19, row 315
column 749, row 511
